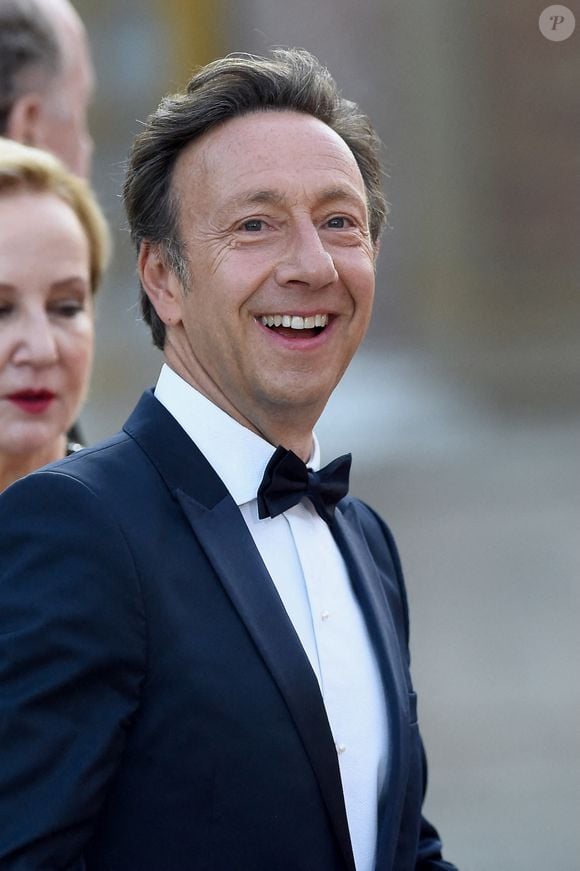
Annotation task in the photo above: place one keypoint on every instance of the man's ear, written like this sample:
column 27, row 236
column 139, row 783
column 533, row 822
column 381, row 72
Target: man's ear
column 160, row 283
column 25, row 120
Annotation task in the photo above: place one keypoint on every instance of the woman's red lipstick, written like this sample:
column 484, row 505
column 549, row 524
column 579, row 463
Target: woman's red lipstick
column 32, row 401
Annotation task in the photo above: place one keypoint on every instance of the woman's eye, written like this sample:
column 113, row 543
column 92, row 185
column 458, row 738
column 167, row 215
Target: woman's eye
column 68, row 309
column 5, row 310
column 254, row 225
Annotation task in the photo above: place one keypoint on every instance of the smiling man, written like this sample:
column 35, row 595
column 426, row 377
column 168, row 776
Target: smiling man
column 280, row 271
column 208, row 658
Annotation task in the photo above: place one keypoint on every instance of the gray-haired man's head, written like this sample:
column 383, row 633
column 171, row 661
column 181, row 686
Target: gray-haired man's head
column 46, row 79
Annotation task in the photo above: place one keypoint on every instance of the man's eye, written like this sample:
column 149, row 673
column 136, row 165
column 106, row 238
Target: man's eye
column 338, row 223
column 254, row 225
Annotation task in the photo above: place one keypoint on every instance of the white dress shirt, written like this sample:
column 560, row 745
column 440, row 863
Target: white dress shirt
column 312, row 581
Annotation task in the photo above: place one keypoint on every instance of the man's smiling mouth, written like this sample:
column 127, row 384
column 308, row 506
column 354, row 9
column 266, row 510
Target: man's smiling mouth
column 295, row 322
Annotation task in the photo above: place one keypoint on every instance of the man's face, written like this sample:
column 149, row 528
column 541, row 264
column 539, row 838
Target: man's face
column 65, row 104
column 273, row 216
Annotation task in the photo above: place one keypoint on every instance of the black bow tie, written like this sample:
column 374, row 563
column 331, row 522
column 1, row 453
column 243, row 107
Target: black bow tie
column 287, row 480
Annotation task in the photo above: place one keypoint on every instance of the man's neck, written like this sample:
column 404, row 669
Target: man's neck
column 289, row 426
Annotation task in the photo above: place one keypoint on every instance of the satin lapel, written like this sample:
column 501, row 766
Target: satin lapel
column 371, row 595
column 230, row 548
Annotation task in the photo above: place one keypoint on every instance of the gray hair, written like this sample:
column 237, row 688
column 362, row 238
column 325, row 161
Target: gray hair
column 29, row 53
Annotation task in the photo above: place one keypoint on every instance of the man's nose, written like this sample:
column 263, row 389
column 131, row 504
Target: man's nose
column 36, row 342
column 306, row 261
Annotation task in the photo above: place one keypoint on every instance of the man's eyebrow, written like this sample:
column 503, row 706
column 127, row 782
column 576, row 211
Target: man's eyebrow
column 329, row 195
column 274, row 198
column 246, row 199
column 257, row 198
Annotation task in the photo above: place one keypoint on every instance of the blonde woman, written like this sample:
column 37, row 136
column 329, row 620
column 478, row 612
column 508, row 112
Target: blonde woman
column 54, row 246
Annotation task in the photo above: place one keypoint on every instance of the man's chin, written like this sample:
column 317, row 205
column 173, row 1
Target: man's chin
column 299, row 401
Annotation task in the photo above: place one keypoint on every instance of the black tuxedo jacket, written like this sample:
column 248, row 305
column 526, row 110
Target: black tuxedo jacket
column 157, row 711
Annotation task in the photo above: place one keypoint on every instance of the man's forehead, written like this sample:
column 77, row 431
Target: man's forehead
column 247, row 146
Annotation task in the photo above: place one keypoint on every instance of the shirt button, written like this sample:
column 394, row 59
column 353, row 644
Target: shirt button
column 340, row 748
column 325, row 615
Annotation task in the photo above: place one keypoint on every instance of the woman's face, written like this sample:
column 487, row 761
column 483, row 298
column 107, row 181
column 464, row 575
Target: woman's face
column 46, row 321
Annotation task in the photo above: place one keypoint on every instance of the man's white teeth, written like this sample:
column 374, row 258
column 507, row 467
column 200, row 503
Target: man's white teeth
column 295, row 322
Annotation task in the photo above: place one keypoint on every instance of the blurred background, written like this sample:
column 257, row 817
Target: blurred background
column 462, row 409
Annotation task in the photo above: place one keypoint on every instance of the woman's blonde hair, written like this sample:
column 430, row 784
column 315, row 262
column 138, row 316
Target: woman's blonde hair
column 23, row 168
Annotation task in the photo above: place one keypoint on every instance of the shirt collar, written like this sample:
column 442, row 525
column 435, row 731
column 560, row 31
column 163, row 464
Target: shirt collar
column 238, row 455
